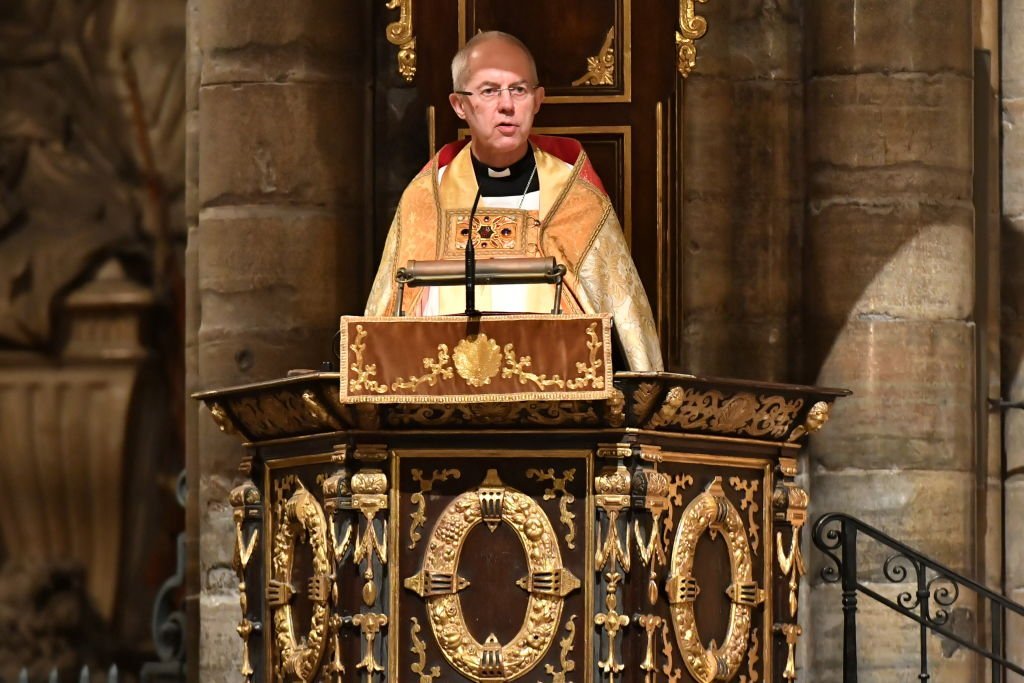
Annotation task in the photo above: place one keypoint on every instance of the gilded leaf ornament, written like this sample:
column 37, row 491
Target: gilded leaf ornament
column 400, row 33
column 419, row 515
column 558, row 486
column 691, row 28
column 601, row 67
column 419, row 648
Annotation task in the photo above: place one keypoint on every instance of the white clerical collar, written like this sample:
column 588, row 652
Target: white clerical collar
column 499, row 173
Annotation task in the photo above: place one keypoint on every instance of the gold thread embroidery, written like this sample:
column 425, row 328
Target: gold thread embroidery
column 477, row 359
column 438, row 368
column 590, row 373
column 363, row 375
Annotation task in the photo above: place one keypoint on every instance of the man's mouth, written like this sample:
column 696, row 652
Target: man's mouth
column 507, row 127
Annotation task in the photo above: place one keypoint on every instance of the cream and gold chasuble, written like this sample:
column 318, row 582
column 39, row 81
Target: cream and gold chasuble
column 571, row 220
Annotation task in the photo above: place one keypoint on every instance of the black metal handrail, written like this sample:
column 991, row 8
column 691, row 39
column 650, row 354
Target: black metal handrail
column 937, row 589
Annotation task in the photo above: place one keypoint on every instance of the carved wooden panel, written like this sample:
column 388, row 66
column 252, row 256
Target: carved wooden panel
column 592, row 62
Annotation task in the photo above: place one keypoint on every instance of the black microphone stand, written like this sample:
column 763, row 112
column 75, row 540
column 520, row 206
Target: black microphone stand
column 471, row 264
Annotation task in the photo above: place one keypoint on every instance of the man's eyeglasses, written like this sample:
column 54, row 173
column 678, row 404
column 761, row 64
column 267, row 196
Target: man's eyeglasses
column 516, row 92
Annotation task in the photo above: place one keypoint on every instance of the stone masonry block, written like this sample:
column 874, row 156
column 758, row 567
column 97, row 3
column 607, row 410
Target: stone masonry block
column 912, row 385
column 858, row 36
column 903, row 260
column 932, row 512
column 287, row 143
column 879, row 120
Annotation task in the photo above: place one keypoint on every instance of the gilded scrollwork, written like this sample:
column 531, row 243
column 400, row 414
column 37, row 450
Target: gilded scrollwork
column 558, row 486
column 299, row 515
column 713, row 513
column 691, row 28
column 678, row 484
column 748, row 503
column 547, row 413
column 716, row 411
column 614, row 409
column 672, row 674
column 644, row 398
column 419, row 648
column 548, row 581
column 752, row 675
column 601, row 67
column 400, row 33
column 419, row 515
column 568, row 663
column 317, row 411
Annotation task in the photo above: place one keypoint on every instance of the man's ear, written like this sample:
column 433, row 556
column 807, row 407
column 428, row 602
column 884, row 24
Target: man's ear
column 538, row 99
column 456, row 102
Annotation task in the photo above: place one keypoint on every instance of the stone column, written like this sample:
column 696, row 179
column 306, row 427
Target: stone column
column 279, row 246
column 743, row 191
column 888, row 303
column 1012, row 239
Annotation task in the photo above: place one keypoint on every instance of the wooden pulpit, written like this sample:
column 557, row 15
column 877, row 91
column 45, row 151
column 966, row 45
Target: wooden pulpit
column 483, row 500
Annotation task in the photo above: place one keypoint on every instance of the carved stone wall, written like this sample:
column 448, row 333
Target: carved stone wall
column 278, row 192
column 889, row 302
column 743, row 193
column 1012, row 248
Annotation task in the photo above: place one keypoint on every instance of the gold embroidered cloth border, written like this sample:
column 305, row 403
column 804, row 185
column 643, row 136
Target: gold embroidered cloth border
column 451, row 359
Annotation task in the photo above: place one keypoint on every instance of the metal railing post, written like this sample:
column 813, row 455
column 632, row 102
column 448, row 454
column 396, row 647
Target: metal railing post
column 849, row 585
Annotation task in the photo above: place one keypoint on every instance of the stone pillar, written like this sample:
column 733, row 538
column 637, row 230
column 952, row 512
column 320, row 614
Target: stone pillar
column 1012, row 352
column 888, row 303
column 279, row 246
column 192, row 410
column 743, row 192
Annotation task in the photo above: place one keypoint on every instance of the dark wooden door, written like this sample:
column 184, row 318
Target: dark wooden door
column 609, row 68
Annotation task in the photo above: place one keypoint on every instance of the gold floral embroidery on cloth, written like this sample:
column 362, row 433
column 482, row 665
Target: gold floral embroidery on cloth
column 508, row 231
column 477, row 359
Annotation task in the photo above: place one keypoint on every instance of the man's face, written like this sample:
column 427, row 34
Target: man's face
column 500, row 126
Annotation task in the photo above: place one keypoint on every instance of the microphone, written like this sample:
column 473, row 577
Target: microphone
column 471, row 263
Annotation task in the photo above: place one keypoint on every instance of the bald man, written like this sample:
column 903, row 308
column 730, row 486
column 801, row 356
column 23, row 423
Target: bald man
column 539, row 196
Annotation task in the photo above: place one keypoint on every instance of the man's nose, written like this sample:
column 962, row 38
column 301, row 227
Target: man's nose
column 505, row 101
